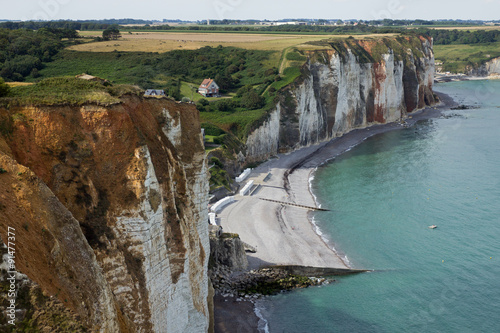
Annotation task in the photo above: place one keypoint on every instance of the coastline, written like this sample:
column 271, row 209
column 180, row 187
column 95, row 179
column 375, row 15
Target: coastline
column 288, row 235
column 443, row 77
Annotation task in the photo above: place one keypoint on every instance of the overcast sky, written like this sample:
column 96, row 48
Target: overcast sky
column 246, row 9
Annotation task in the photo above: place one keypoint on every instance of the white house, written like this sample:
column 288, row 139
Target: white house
column 154, row 92
column 209, row 88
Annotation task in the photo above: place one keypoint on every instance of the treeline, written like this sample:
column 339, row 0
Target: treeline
column 73, row 25
column 23, row 52
column 361, row 28
column 391, row 22
column 446, row 37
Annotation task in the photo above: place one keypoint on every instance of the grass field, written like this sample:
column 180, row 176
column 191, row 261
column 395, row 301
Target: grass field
column 168, row 41
column 455, row 58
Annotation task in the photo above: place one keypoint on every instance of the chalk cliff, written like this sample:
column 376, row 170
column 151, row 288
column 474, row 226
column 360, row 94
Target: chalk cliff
column 109, row 208
column 490, row 68
column 347, row 85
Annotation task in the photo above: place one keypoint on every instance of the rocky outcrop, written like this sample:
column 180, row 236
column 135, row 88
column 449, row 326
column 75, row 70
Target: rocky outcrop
column 227, row 250
column 490, row 68
column 109, row 205
column 350, row 84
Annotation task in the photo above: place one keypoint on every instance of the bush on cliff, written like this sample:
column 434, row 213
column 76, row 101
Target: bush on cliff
column 4, row 88
column 68, row 90
column 252, row 100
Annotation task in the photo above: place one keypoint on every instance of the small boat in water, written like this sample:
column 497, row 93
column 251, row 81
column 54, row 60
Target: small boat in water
column 433, row 226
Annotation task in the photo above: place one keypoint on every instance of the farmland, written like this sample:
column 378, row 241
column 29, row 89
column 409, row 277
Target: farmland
column 169, row 41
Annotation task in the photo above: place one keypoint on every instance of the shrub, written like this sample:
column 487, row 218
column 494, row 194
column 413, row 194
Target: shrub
column 243, row 90
column 4, row 88
column 226, row 105
column 252, row 100
column 212, row 129
column 216, row 161
column 203, row 101
column 218, row 140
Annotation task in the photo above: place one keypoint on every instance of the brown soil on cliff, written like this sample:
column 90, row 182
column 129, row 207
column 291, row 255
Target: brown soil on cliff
column 70, row 171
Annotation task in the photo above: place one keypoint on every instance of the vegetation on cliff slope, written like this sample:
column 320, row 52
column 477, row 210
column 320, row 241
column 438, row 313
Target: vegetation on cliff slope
column 67, row 90
column 457, row 58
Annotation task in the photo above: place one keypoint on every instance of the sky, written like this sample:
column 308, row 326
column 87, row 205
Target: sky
column 249, row 9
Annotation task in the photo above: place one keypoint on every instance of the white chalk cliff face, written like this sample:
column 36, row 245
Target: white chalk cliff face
column 342, row 91
column 493, row 66
column 132, row 180
column 490, row 68
column 264, row 140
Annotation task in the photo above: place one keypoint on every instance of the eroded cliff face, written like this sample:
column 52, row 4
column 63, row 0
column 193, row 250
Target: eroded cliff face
column 354, row 85
column 109, row 206
column 490, row 68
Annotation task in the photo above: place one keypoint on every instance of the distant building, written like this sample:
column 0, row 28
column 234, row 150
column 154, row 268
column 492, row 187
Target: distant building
column 154, row 92
column 208, row 88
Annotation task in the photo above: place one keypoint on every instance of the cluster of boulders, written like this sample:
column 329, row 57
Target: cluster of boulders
column 465, row 107
column 256, row 283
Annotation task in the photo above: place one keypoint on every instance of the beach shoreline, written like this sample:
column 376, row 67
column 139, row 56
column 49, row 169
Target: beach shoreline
column 443, row 77
column 287, row 235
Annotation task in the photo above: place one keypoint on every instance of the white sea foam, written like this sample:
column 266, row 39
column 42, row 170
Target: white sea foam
column 263, row 325
column 317, row 229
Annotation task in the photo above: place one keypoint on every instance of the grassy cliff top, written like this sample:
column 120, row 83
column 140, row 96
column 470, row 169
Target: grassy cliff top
column 67, row 90
column 372, row 49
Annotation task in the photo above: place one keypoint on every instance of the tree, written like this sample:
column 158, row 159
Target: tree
column 252, row 100
column 225, row 82
column 4, row 88
column 111, row 33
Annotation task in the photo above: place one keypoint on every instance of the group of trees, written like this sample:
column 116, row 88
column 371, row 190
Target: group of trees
column 71, row 25
column 445, row 37
column 111, row 33
column 229, row 64
column 23, row 52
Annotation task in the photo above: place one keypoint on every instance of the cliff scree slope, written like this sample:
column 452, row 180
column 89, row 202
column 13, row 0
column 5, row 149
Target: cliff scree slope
column 109, row 207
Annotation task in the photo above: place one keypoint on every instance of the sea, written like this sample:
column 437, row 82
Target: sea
column 383, row 195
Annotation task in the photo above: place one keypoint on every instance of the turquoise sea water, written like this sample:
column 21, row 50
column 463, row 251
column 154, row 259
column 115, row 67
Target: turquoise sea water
column 384, row 194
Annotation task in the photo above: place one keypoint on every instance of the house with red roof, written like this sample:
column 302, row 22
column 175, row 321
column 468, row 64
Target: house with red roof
column 208, row 88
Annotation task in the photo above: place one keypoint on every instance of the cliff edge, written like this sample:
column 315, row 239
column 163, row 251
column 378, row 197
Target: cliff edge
column 108, row 204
